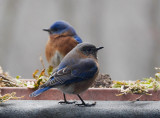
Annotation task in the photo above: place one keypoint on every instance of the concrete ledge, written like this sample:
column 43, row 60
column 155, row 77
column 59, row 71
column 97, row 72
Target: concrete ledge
column 103, row 109
column 105, row 94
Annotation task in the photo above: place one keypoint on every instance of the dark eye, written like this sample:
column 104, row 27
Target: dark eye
column 55, row 29
column 89, row 49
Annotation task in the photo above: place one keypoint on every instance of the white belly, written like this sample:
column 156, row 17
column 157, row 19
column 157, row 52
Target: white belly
column 56, row 59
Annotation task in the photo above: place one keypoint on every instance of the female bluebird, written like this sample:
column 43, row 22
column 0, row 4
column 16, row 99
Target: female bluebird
column 62, row 39
column 75, row 74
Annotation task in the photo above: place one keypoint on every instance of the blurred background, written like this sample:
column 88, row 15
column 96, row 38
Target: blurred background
column 128, row 29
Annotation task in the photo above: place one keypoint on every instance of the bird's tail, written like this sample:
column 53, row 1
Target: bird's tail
column 38, row 92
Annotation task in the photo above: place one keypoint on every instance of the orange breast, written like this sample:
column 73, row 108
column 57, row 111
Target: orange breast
column 62, row 44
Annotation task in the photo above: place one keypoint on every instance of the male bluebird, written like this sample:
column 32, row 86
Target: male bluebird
column 62, row 39
column 75, row 74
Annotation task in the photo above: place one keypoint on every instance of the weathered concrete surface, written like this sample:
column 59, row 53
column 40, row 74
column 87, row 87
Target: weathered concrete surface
column 103, row 109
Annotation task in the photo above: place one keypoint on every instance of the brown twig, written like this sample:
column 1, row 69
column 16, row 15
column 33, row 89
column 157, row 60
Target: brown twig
column 137, row 99
column 42, row 62
column 7, row 80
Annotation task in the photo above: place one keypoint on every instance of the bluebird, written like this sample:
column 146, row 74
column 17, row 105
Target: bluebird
column 75, row 74
column 62, row 39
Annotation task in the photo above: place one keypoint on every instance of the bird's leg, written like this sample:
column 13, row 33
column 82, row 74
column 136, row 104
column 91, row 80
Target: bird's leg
column 65, row 101
column 85, row 104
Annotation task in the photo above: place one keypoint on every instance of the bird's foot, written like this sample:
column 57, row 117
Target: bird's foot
column 66, row 102
column 86, row 104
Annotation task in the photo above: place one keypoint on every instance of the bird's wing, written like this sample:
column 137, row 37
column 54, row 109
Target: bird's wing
column 85, row 69
column 54, row 71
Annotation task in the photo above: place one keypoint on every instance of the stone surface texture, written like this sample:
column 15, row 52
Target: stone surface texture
column 103, row 109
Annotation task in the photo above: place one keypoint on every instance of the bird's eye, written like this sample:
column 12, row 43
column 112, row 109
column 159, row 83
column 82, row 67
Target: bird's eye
column 55, row 29
column 89, row 49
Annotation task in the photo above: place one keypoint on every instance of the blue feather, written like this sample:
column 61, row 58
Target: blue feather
column 61, row 27
column 78, row 39
column 39, row 91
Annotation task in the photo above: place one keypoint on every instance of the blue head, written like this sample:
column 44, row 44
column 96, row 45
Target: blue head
column 60, row 27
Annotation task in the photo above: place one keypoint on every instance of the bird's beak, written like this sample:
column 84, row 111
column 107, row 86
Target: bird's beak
column 47, row 30
column 99, row 48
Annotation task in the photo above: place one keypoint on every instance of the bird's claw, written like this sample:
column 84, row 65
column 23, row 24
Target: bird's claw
column 86, row 104
column 66, row 102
